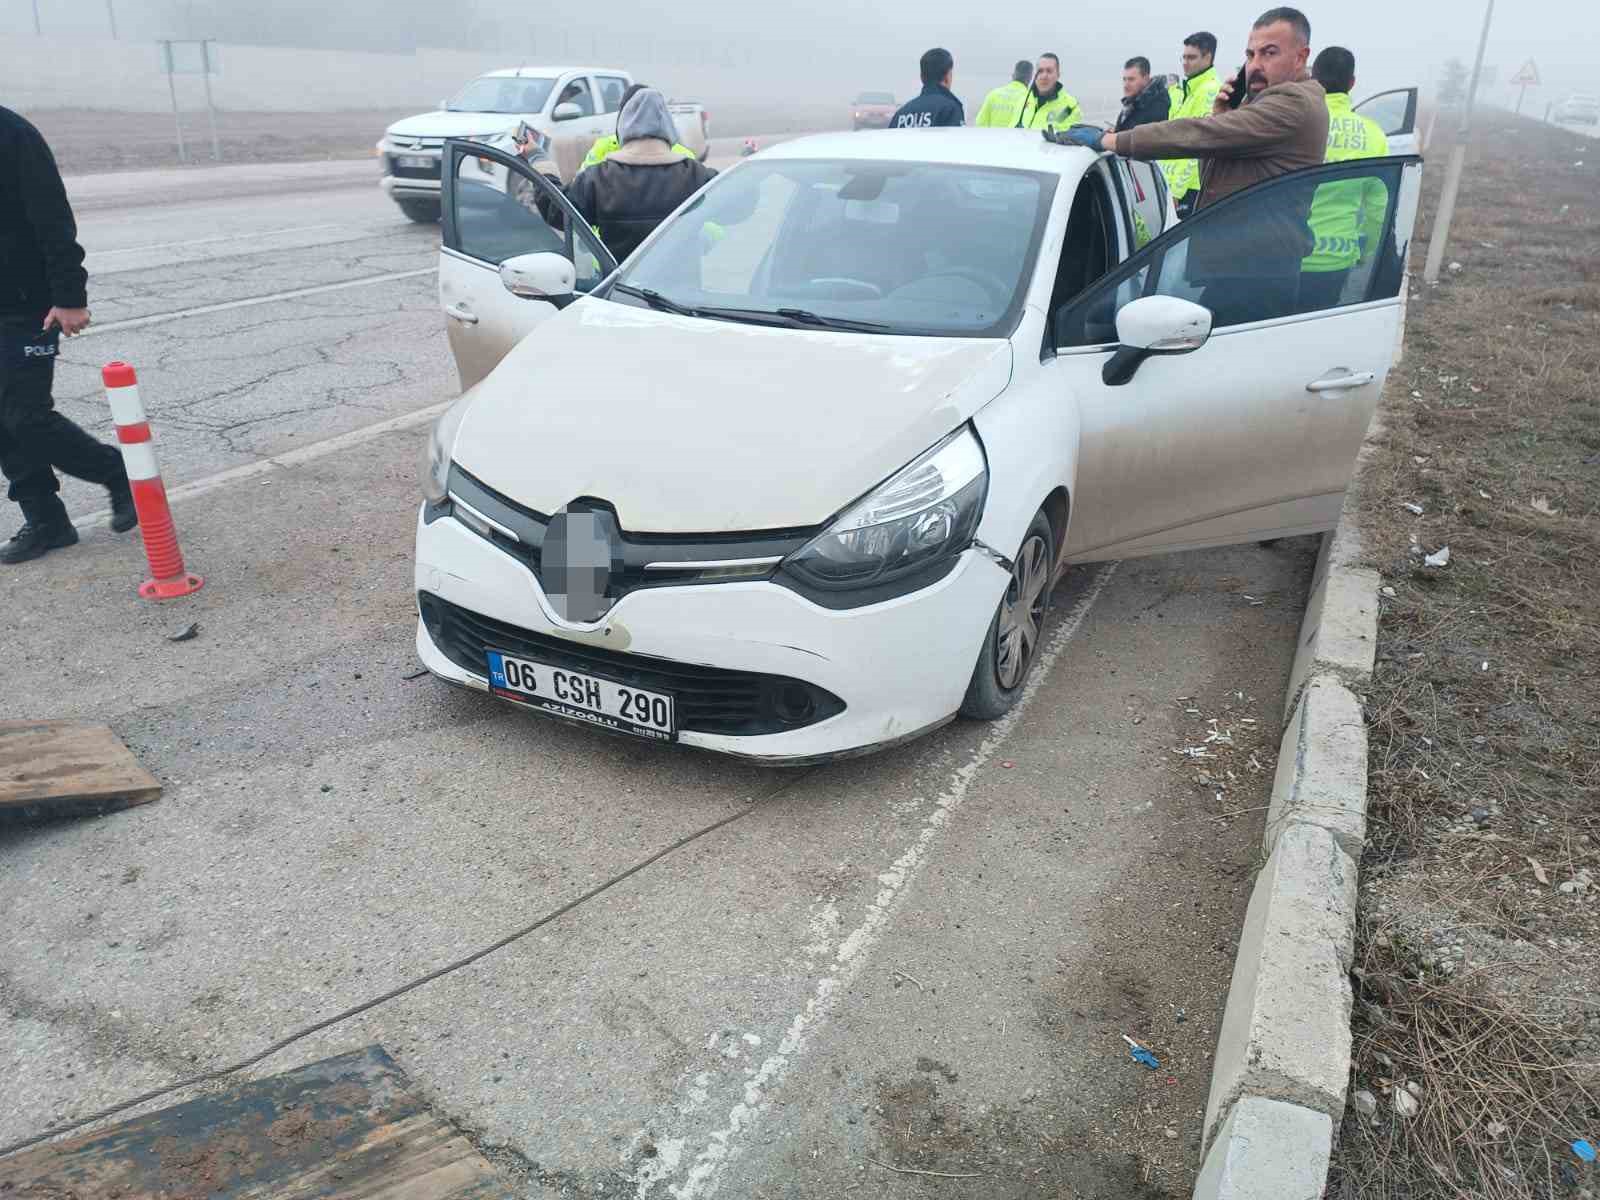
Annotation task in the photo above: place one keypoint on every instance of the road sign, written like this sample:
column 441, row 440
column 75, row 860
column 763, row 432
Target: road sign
column 1528, row 76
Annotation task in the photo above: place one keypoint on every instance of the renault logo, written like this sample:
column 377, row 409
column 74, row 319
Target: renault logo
column 581, row 555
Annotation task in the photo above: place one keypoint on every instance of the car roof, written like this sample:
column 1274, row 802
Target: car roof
column 1017, row 149
column 553, row 72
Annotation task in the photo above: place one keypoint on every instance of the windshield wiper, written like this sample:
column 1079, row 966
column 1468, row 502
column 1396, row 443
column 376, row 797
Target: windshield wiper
column 655, row 299
column 791, row 317
column 806, row 317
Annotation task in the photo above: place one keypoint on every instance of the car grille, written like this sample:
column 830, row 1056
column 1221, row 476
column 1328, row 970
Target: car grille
column 709, row 699
column 639, row 550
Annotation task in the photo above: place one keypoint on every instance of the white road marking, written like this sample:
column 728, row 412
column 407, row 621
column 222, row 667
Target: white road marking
column 725, row 1144
column 252, row 301
column 279, row 462
column 206, row 241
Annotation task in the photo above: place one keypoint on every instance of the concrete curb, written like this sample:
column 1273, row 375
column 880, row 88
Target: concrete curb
column 1283, row 1056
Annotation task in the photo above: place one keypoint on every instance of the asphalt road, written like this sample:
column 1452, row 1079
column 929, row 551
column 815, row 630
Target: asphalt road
column 924, row 959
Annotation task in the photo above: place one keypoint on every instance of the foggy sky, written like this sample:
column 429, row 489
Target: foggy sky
column 847, row 43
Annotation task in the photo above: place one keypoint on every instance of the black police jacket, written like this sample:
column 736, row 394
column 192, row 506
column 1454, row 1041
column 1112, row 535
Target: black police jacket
column 936, row 107
column 41, row 263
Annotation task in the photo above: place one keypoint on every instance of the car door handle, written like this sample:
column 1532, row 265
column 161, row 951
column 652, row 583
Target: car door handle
column 1340, row 380
column 457, row 312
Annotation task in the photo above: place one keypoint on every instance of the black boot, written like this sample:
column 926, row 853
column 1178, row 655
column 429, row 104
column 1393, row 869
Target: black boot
column 45, row 528
column 123, row 515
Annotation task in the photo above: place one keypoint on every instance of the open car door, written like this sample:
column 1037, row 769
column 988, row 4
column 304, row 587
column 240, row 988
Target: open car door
column 1396, row 114
column 498, row 211
column 1226, row 373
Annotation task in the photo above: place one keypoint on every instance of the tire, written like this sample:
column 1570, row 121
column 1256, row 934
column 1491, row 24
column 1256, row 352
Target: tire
column 999, row 677
column 423, row 212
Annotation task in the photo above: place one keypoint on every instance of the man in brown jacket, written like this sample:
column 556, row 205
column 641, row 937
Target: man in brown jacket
column 1250, row 269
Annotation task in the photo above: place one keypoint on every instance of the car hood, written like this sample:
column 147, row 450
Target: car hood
column 443, row 124
column 698, row 426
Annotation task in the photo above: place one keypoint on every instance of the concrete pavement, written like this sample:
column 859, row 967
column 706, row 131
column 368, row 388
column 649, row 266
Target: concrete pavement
column 993, row 907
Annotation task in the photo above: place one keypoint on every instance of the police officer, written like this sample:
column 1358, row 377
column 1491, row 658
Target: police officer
column 1346, row 216
column 611, row 143
column 937, row 106
column 42, row 296
column 1003, row 107
column 1047, row 102
column 1194, row 97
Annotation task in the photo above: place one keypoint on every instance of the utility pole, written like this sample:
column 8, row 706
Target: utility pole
column 111, row 17
column 1458, row 153
column 38, row 30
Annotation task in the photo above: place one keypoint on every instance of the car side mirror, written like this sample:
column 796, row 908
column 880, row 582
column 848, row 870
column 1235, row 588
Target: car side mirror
column 1155, row 325
column 542, row 276
column 567, row 112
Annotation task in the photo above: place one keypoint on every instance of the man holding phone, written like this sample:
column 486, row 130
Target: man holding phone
column 1277, row 124
column 1269, row 120
column 42, row 297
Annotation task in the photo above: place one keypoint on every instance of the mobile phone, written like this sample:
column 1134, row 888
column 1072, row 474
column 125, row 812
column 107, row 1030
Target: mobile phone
column 1241, row 88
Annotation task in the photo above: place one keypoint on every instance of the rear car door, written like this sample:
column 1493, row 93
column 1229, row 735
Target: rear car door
column 1254, row 433
column 1396, row 114
column 496, row 207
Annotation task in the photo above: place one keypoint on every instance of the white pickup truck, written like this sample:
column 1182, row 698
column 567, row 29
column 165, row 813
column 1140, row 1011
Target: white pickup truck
column 572, row 107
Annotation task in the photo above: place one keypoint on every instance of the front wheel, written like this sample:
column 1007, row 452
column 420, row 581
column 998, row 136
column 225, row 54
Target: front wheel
column 423, row 212
column 1012, row 643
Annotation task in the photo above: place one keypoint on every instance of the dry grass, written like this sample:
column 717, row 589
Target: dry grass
column 1484, row 711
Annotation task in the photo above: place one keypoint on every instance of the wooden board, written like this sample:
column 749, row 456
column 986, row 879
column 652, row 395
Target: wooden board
column 339, row 1129
column 67, row 766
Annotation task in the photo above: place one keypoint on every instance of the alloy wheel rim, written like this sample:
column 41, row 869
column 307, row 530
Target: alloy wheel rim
column 1022, row 613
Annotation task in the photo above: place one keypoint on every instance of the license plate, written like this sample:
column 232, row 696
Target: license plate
column 415, row 161
column 582, row 697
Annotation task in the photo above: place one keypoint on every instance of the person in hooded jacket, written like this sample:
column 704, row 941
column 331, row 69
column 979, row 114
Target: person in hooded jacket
column 612, row 142
column 637, row 187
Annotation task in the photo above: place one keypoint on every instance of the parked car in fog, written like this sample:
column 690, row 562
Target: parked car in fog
column 872, row 110
column 1579, row 110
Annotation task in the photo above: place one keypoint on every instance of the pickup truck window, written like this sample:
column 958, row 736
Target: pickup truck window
column 502, row 94
column 611, row 89
column 578, row 92
column 912, row 248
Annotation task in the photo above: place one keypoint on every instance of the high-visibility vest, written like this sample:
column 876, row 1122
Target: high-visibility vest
column 1347, row 216
column 1062, row 112
column 1003, row 106
column 1195, row 97
column 609, row 145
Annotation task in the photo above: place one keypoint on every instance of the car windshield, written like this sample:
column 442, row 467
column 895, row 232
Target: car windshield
column 897, row 247
column 502, row 94
column 875, row 98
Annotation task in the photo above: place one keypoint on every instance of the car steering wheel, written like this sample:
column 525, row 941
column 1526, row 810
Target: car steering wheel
column 872, row 290
column 1000, row 290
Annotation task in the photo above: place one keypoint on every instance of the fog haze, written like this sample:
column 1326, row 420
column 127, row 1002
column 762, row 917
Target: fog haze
column 838, row 46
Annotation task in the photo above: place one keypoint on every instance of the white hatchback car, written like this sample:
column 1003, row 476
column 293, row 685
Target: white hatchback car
column 796, row 480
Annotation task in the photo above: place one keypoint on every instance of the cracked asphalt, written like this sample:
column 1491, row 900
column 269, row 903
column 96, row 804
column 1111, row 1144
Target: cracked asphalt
column 923, row 959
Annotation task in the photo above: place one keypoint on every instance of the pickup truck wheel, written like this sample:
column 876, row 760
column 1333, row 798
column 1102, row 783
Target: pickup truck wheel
column 423, row 212
column 1017, row 630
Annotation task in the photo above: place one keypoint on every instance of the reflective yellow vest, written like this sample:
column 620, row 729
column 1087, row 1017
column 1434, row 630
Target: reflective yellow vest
column 1062, row 112
column 1193, row 98
column 609, row 145
column 1003, row 106
column 1347, row 216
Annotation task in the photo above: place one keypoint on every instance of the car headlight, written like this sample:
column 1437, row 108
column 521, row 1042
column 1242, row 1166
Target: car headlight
column 922, row 517
column 436, row 458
